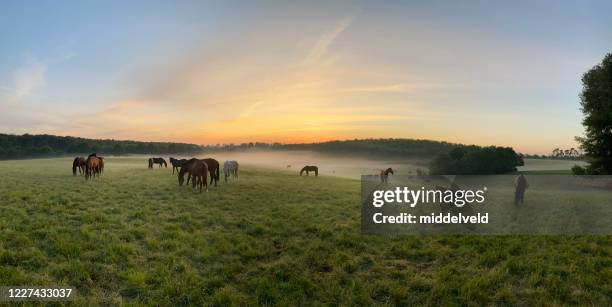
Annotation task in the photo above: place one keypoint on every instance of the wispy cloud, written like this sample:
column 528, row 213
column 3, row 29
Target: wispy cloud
column 319, row 50
column 28, row 78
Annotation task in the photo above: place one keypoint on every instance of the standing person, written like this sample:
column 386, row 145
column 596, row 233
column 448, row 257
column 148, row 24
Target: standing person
column 520, row 185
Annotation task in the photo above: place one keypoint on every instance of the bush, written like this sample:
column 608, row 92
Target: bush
column 474, row 160
column 579, row 170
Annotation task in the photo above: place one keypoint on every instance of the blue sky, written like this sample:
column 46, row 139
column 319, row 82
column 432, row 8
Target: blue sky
column 484, row 72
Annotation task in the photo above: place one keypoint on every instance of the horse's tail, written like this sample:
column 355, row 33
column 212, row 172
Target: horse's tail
column 217, row 172
column 74, row 166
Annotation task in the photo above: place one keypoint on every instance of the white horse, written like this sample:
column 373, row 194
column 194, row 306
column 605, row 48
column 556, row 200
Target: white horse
column 230, row 167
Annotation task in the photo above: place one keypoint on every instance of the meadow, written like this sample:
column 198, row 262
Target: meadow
column 135, row 237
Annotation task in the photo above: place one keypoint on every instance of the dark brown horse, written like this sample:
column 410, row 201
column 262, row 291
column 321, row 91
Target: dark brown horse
column 94, row 165
column 308, row 169
column 78, row 163
column 384, row 174
column 159, row 161
column 196, row 169
column 213, row 169
column 177, row 164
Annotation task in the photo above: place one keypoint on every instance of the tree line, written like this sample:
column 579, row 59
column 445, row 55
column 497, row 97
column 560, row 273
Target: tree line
column 372, row 148
column 35, row 146
column 476, row 160
column 448, row 158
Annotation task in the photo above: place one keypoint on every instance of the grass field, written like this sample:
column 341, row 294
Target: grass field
column 549, row 166
column 271, row 238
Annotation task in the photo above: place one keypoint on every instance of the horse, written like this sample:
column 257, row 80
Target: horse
column 308, row 169
column 230, row 168
column 78, row 163
column 93, row 165
column 177, row 164
column 101, row 167
column 213, row 169
column 384, row 175
column 185, row 169
column 159, row 161
column 196, row 169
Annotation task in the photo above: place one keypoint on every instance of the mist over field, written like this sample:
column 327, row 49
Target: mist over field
column 341, row 166
column 354, row 167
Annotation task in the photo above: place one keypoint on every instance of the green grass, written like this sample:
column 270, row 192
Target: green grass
column 272, row 238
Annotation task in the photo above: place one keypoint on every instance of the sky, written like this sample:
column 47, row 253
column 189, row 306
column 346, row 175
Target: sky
column 479, row 72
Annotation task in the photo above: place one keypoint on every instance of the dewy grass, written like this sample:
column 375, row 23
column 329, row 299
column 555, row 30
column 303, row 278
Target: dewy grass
column 270, row 238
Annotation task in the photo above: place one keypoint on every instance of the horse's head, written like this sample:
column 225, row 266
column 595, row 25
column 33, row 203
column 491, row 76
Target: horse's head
column 390, row 171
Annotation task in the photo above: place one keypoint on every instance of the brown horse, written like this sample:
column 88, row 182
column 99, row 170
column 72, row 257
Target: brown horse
column 308, row 169
column 93, row 166
column 78, row 163
column 213, row 169
column 384, row 174
column 196, row 169
column 101, row 168
column 159, row 161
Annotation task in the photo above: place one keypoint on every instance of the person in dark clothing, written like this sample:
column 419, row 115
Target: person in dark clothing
column 520, row 185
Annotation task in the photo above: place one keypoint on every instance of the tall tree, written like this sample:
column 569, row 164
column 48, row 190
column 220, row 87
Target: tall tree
column 596, row 102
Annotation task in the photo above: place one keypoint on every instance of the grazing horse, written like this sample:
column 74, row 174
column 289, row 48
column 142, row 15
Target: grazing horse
column 101, row 167
column 159, row 161
column 94, row 165
column 384, row 174
column 196, row 169
column 310, row 168
column 78, row 163
column 213, row 169
column 230, row 168
column 177, row 164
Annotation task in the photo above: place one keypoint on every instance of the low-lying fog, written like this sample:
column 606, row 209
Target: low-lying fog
column 349, row 167
column 352, row 167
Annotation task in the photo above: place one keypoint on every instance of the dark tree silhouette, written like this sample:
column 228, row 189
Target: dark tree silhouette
column 596, row 102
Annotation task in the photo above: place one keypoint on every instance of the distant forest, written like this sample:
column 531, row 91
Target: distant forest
column 374, row 148
column 37, row 146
